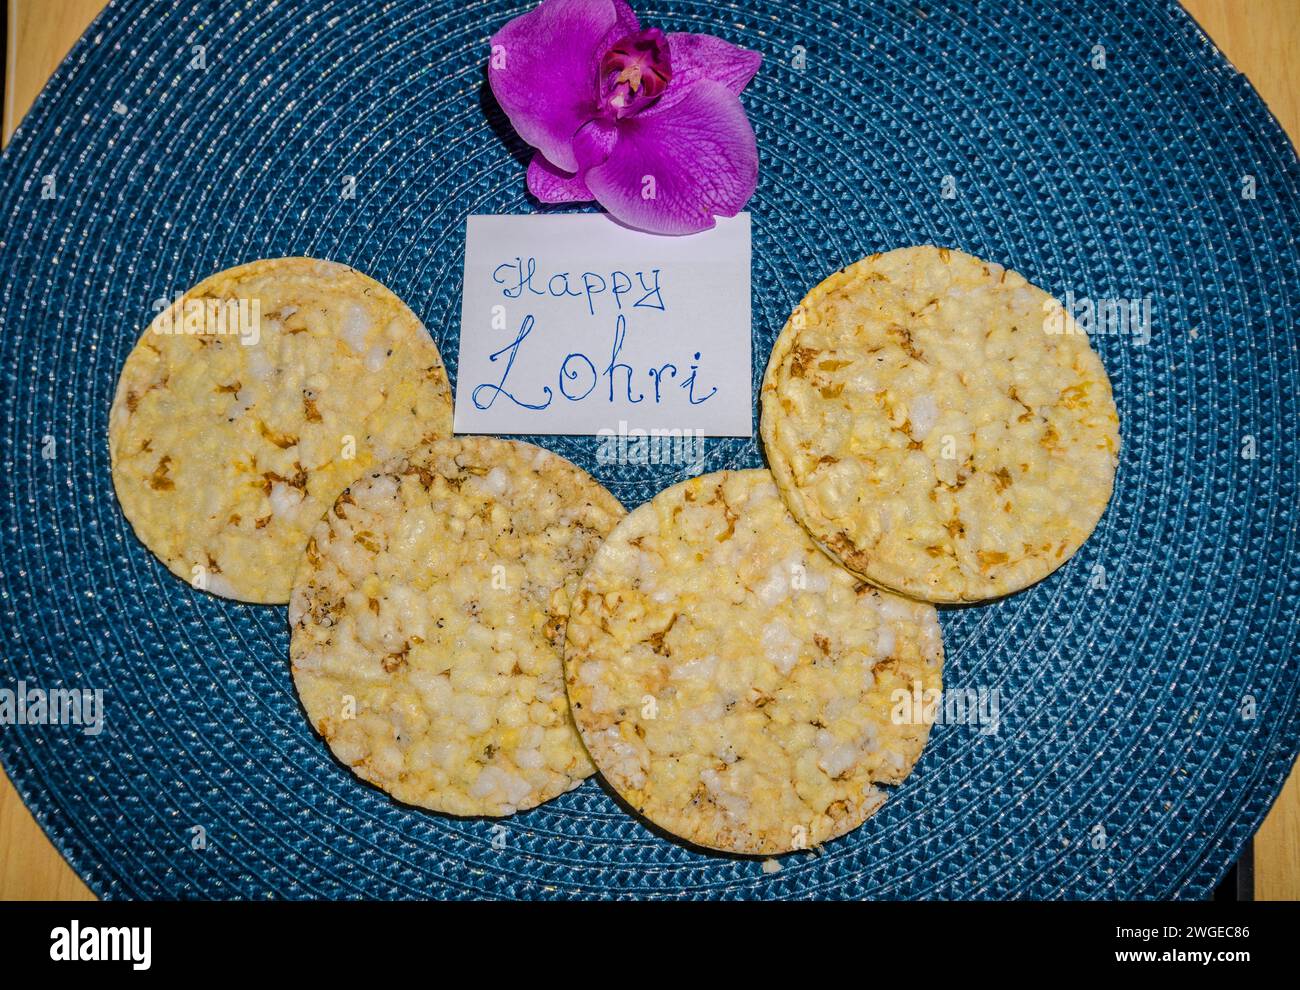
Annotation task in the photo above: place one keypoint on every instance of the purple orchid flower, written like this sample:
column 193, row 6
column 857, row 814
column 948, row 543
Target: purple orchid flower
column 647, row 124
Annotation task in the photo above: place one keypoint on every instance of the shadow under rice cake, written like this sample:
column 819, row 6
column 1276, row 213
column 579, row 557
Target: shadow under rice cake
column 731, row 682
column 251, row 402
column 940, row 425
column 427, row 624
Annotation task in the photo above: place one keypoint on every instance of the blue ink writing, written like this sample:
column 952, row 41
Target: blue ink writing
column 570, row 375
column 523, row 278
column 689, row 385
column 620, row 334
column 512, row 348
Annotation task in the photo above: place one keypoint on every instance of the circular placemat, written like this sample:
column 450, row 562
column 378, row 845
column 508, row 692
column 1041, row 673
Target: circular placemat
column 1148, row 690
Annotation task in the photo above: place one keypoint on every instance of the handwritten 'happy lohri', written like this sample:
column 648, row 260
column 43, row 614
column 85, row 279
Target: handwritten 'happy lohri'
column 616, row 293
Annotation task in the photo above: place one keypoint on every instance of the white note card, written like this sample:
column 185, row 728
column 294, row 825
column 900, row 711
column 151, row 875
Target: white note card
column 572, row 324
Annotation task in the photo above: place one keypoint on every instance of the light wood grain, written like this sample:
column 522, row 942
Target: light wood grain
column 40, row 34
column 1277, row 846
column 30, row 868
column 1261, row 37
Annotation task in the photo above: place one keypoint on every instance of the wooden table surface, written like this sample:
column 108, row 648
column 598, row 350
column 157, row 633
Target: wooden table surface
column 1261, row 37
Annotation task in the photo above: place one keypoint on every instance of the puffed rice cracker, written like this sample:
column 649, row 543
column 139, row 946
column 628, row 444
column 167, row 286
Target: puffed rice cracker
column 940, row 425
column 227, row 448
column 733, row 684
column 428, row 622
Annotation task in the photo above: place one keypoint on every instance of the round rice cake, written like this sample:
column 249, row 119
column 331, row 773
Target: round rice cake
column 940, row 425
column 252, row 401
column 428, row 624
column 732, row 683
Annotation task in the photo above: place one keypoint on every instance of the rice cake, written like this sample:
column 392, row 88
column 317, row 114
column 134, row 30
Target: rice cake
column 226, row 448
column 732, row 683
column 940, row 425
column 428, row 624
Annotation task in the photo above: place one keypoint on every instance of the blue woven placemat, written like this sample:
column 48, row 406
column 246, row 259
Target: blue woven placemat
column 1148, row 690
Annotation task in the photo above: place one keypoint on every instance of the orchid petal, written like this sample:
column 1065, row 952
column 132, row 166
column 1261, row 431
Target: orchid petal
column 702, row 56
column 594, row 143
column 543, row 69
column 553, row 185
column 625, row 25
column 672, row 170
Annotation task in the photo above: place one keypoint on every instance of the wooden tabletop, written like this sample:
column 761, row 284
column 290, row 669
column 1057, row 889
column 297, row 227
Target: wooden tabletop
column 1261, row 38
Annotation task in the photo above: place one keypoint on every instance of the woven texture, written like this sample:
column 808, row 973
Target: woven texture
column 1125, row 764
